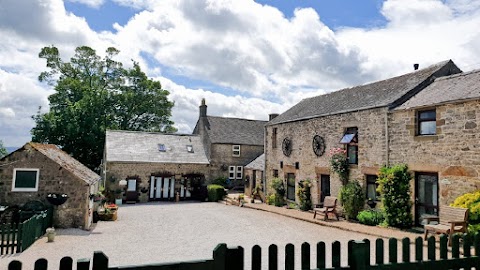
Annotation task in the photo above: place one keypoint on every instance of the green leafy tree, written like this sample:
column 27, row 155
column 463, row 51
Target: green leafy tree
column 352, row 197
column 395, row 188
column 93, row 94
column 3, row 151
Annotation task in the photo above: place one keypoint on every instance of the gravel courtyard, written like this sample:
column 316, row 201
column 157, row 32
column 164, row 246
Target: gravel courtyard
column 168, row 232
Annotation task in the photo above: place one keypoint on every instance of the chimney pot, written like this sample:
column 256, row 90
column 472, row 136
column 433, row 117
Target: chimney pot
column 203, row 108
column 415, row 66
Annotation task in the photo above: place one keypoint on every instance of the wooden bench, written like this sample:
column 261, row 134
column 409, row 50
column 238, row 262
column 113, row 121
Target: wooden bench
column 450, row 221
column 329, row 207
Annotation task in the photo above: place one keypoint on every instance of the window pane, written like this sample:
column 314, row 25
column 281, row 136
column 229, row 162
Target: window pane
column 347, row 138
column 352, row 154
column 372, row 191
column 427, row 115
column 132, row 185
column 428, row 128
column 25, row 179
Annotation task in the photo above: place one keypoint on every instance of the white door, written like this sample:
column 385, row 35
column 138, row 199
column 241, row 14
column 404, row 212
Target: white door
column 166, row 182
column 172, row 187
column 152, row 187
column 158, row 186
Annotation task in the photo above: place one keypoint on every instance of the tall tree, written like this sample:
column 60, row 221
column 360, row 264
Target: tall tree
column 93, row 94
column 3, row 151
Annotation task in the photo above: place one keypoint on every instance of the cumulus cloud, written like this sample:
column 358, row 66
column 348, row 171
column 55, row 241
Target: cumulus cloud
column 90, row 3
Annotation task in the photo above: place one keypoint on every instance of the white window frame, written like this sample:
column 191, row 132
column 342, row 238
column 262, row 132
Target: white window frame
column 239, row 172
column 25, row 189
column 236, row 148
column 231, row 171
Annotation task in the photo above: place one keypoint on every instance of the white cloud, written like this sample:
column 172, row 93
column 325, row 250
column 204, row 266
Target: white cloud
column 90, row 3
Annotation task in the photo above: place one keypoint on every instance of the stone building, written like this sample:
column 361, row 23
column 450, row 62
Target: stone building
column 254, row 174
column 35, row 170
column 230, row 143
column 437, row 133
column 154, row 166
column 355, row 119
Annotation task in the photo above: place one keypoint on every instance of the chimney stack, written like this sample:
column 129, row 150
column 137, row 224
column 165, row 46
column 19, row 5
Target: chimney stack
column 203, row 109
column 271, row 116
column 415, row 66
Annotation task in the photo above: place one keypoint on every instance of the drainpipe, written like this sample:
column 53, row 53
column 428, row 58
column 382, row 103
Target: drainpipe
column 387, row 143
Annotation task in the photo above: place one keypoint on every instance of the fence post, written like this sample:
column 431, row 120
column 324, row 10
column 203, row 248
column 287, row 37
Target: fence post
column 41, row 264
column 234, row 258
column 83, row 264
column 100, row 261
column 358, row 258
column 219, row 254
column 15, row 265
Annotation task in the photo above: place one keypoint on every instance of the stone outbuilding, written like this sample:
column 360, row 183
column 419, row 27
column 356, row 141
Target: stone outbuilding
column 35, row 170
column 357, row 120
column 154, row 166
column 230, row 143
column 254, row 174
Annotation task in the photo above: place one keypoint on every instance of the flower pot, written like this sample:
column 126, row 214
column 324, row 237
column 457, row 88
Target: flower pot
column 50, row 234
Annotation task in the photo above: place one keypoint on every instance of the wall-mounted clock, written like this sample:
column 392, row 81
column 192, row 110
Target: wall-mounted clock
column 287, row 147
column 318, row 145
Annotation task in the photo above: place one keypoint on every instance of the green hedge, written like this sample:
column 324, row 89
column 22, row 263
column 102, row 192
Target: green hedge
column 352, row 198
column 472, row 202
column 215, row 193
column 371, row 217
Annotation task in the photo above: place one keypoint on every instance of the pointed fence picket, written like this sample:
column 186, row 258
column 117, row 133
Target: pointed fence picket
column 358, row 257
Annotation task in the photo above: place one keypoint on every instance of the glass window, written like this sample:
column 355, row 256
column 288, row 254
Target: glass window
column 231, row 172
column 352, row 151
column 236, row 150
column 190, row 148
column 275, row 173
column 372, row 186
column 350, row 139
column 427, row 122
column 274, row 138
column 132, row 185
column 239, row 172
column 25, row 180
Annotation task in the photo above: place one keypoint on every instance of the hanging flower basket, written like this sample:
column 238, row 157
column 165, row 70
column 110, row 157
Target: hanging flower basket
column 57, row 198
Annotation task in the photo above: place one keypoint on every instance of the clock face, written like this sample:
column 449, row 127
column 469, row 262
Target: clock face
column 287, row 147
column 318, row 145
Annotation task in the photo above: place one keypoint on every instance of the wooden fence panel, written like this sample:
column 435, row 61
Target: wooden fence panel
column 256, row 257
column 406, row 249
column 321, row 259
column 305, row 256
column 289, row 257
column 41, row 264
column 272, row 257
column 66, row 263
column 15, row 265
column 379, row 255
column 431, row 248
column 336, row 256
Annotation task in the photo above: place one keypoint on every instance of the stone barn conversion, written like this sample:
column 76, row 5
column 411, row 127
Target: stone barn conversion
column 35, row 170
column 371, row 123
column 155, row 165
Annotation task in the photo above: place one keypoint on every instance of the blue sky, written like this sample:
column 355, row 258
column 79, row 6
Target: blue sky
column 246, row 58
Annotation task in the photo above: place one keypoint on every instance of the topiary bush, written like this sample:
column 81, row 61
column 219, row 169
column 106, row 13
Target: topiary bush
column 304, row 194
column 472, row 202
column 352, row 198
column 371, row 217
column 215, row 192
column 394, row 184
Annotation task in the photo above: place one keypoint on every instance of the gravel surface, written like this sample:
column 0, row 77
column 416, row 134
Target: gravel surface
column 168, row 232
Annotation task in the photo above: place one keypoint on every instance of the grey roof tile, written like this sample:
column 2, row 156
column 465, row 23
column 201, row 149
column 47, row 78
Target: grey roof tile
column 67, row 162
column 463, row 86
column 257, row 164
column 133, row 146
column 373, row 95
column 235, row 130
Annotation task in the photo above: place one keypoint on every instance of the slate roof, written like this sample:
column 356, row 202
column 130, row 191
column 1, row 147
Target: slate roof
column 458, row 87
column 390, row 92
column 235, row 130
column 66, row 161
column 257, row 164
column 132, row 146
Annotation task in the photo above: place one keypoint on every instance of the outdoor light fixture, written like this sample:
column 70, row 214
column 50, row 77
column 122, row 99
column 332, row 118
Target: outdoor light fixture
column 122, row 182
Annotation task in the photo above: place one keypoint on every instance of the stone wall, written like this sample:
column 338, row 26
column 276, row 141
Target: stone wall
column 371, row 147
column 52, row 179
column 249, row 176
column 117, row 171
column 222, row 154
column 453, row 152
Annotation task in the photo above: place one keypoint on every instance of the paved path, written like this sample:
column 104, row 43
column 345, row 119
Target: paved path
column 169, row 232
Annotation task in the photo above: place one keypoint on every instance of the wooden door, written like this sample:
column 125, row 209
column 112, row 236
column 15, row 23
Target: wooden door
column 426, row 196
column 324, row 186
column 291, row 186
column 132, row 192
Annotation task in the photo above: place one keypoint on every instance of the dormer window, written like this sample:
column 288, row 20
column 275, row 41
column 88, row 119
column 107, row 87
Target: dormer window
column 162, row 148
column 189, row 148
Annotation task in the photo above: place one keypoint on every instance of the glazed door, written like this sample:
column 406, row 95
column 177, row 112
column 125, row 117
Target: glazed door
column 324, row 186
column 291, row 186
column 426, row 196
column 132, row 193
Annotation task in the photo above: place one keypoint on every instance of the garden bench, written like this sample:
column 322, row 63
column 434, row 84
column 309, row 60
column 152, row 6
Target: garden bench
column 450, row 221
column 329, row 207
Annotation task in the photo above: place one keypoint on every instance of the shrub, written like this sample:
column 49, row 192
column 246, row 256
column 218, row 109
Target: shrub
column 304, row 194
column 215, row 193
column 472, row 202
column 277, row 185
column 370, row 217
column 352, row 198
column 292, row 205
column 275, row 199
column 394, row 184
column 221, row 181
column 339, row 163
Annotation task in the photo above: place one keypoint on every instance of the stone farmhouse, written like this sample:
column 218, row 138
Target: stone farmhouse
column 426, row 119
column 35, row 170
column 156, row 166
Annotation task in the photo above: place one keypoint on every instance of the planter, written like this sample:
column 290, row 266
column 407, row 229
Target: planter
column 50, row 234
column 372, row 204
column 118, row 201
column 57, row 198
